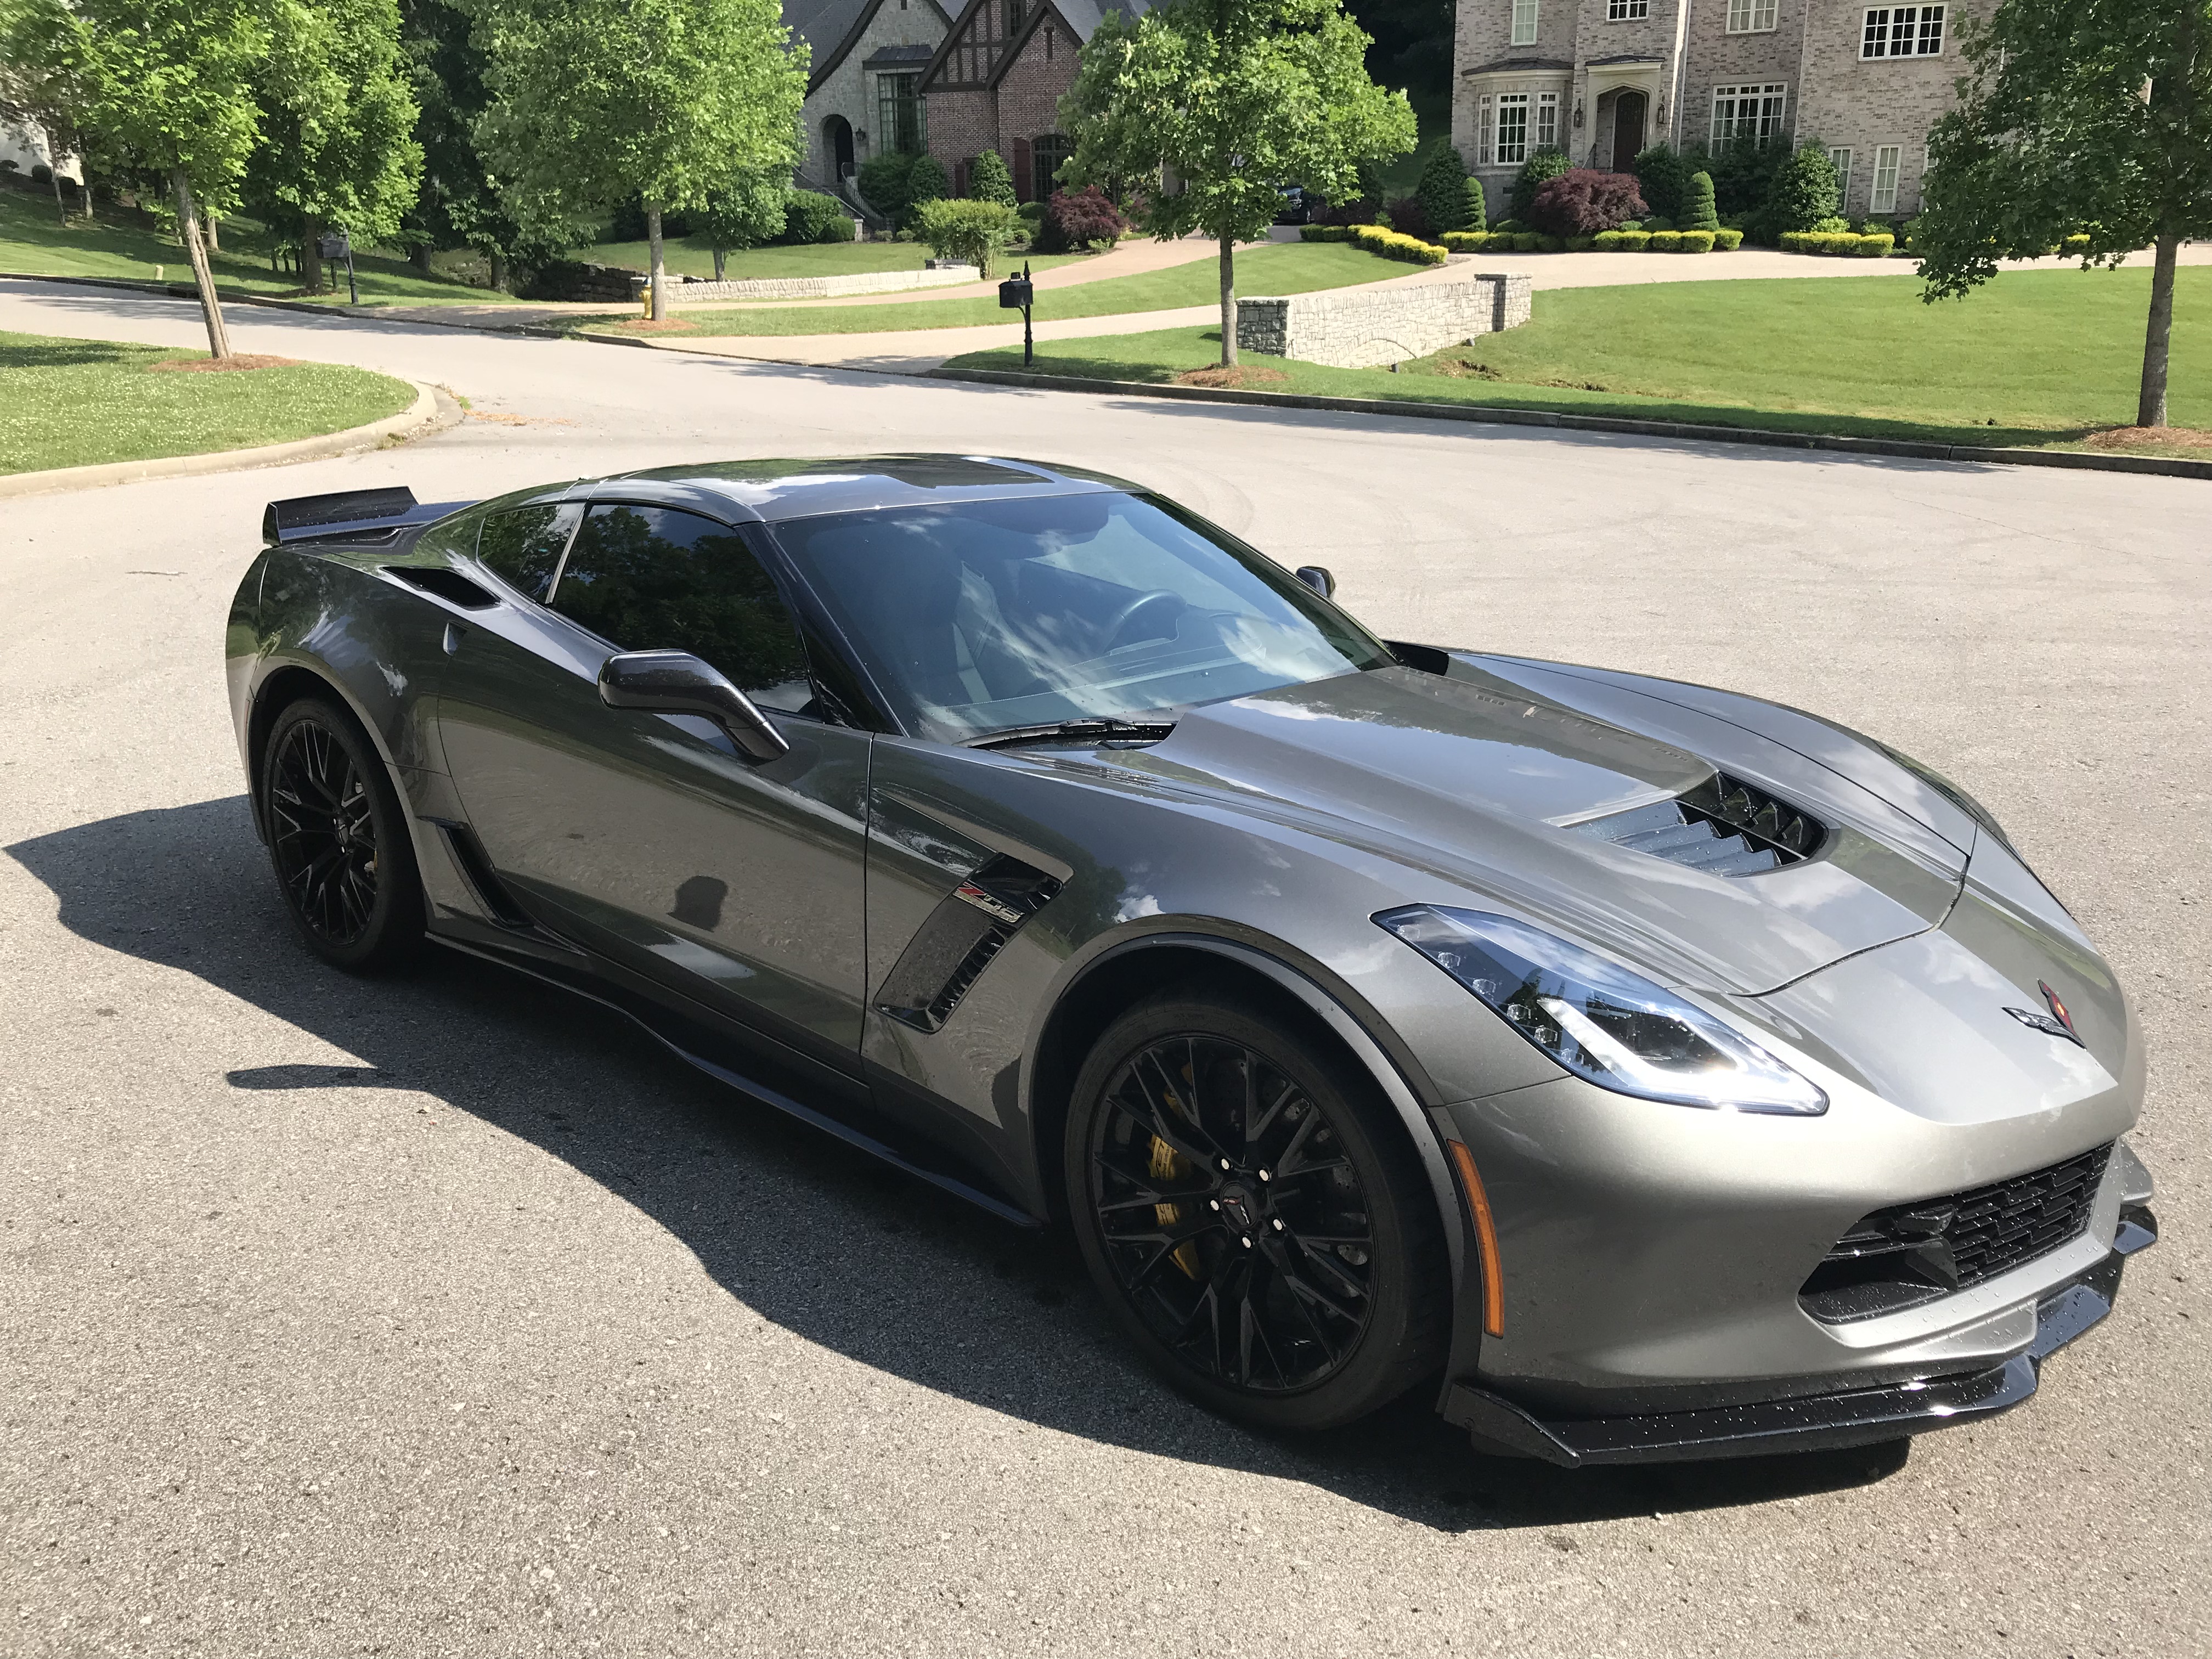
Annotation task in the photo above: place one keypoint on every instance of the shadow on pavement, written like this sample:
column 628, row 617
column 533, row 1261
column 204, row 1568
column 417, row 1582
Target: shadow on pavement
column 833, row 1247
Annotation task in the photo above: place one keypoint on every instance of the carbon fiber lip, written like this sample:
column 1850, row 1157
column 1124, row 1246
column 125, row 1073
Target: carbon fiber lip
column 1856, row 1417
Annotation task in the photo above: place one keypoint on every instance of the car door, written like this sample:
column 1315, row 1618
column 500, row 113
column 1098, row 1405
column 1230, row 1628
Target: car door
column 646, row 837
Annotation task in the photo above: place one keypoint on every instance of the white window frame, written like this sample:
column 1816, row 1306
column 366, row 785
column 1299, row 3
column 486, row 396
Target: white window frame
column 1519, row 103
column 1841, row 160
column 1894, row 32
column 1626, row 11
column 1483, row 118
column 1888, row 163
column 1524, row 23
column 1769, row 105
column 1547, row 122
column 1754, row 16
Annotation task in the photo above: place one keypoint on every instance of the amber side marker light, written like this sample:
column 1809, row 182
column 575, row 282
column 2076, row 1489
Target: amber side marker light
column 1486, row 1234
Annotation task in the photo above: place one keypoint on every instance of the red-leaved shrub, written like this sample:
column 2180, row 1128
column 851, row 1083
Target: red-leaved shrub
column 1359, row 212
column 1076, row 218
column 1582, row 202
column 1409, row 218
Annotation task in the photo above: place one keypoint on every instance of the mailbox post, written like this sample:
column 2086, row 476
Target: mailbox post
column 335, row 245
column 1022, row 292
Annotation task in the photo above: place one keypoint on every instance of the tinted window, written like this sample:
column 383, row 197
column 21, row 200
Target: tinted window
column 979, row 616
column 523, row 546
column 650, row 578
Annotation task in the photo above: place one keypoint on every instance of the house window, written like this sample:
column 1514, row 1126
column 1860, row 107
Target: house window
column 1482, row 132
column 1548, row 121
column 1751, row 16
column 1524, row 23
column 1621, row 11
column 898, row 114
column 1748, row 115
column 1048, row 152
column 1902, row 32
column 1512, row 129
column 1016, row 10
column 1886, row 159
column 1841, row 159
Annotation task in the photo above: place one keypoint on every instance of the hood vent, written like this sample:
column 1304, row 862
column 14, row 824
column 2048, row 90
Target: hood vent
column 1725, row 827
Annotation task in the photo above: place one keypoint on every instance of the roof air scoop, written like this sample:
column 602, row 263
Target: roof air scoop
column 1724, row 826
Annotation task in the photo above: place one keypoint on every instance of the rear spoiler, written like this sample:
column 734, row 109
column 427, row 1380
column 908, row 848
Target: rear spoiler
column 348, row 512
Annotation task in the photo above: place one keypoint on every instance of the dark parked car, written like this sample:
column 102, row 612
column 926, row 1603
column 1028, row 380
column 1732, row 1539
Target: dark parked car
column 1646, row 1070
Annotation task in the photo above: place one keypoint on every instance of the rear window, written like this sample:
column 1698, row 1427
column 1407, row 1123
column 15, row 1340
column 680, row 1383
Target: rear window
column 524, row 546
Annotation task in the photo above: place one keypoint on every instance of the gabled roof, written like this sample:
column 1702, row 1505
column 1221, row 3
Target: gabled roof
column 831, row 29
column 1080, row 18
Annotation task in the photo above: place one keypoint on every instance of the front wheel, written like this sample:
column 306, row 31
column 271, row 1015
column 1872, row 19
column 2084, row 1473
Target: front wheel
column 338, row 839
column 1249, row 1207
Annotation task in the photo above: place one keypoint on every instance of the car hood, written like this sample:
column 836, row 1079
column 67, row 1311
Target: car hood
column 1470, row 783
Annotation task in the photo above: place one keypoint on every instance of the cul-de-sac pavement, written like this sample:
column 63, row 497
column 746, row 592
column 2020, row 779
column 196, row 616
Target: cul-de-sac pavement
column 446, row 1313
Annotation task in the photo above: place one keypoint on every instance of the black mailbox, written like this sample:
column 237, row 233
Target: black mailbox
column 1016, row 294
column 332, row 245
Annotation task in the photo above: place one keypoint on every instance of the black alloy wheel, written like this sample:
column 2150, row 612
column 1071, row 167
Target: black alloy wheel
column 337, row 841
column 1251, row 1227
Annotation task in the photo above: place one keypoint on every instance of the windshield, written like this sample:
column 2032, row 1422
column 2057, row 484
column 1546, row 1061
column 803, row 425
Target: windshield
column 980, row 615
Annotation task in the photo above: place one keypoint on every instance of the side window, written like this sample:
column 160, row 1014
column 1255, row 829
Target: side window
column 524, row 546
column 652, row 579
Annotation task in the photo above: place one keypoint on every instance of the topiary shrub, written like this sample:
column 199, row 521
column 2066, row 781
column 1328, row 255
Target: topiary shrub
column 1803, row 192
column 1475, row 212
column 974, row 233
column 1079, row 218
column 1727, row 241
column 1607, row 242
column 1662, row 177
column 882, row 182
column 809, row 216
column 1583, row 201
column 1409, row 217
column 989, row 179
column 1694, row 241
column 1441, row 191
column 1698, row 212
column 1665, row 242
column 1541, row 165
column 1632, row 241
column 926, row 181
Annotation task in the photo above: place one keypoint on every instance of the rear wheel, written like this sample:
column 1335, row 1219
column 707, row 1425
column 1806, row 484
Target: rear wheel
column 338, row 839
column 1249, row 1207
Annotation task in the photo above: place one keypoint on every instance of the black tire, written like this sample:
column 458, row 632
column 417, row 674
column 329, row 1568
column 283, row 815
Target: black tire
column 338, row 841
column 1302, row 1286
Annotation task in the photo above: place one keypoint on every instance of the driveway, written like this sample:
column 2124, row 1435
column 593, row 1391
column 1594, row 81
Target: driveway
column 445, row 1315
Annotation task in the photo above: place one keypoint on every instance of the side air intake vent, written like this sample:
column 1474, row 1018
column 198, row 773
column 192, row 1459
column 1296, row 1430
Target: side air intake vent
column 449, row 585
column 956, row 944
column 1725, row 827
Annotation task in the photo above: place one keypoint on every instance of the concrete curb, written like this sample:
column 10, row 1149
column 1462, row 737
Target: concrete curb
column 2069, row 460
column 432, row 410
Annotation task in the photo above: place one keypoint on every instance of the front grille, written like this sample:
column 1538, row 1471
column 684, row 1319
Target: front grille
column 1909, row 1254
column 1724, row 826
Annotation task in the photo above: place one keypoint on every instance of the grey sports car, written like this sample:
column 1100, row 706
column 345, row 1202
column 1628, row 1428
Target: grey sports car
column 1649, row 1071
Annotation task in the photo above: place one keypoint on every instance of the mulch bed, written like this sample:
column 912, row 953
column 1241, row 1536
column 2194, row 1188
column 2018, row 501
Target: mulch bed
column 1236, row 379
column 2143, row 437
column 242, row 359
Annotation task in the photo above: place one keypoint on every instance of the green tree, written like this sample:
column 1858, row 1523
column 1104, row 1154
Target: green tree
column 1662, row 180
column 1442, row 191
column 745, row 212
column 970, row 231
column 161, row 86
column 1227, row 101
column 1698, row 212
column 1802, row 193
column 39, row 95
column 989, row 179
column 593, row 101
column 457, row 206
column 927, row 180
column 2076, row 116
column 338, row 126
column 1542, row 166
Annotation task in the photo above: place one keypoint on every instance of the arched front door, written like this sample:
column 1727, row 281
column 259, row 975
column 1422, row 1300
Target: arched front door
column 837, row 140
column 1628, row 108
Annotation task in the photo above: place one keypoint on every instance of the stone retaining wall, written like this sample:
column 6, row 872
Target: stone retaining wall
column 1359, row 328
column 691, row 292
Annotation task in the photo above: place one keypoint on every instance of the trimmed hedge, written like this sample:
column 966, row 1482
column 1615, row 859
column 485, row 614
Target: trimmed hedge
column 1839, row 244
column 1727, row 241
column 1393, row 246
column 1324, row 233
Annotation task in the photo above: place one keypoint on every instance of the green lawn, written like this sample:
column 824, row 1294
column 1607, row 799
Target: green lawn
column 77, row 402
column 1279, row 268
column 33, row 242
column 692, row 256
column 2035, row 358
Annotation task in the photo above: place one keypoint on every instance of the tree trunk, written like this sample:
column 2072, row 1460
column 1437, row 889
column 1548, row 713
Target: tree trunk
column 311, row 262
column 188, row 231
column 2158, row 337
column 720, row 255
column 1228, row 301
column 214, row 224
column 498, row 268
column 659, row 268
column 54, row 177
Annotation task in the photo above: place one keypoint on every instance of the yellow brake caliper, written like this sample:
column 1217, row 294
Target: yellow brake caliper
column 1169, row 1164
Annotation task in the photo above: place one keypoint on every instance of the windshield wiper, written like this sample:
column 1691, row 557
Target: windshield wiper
column 1099, row 728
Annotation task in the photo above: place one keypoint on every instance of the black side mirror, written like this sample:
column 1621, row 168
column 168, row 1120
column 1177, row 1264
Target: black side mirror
column 677, row 682
column 1317, row 578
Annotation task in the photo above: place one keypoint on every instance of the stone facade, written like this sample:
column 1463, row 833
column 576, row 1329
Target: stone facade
column 1359, row 328
column 1623, row 74
column 855, row 43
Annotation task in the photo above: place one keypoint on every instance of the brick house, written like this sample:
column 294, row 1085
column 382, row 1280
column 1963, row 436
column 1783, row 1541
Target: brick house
column 864, row 89
column 1602, row 79
column 997, row 81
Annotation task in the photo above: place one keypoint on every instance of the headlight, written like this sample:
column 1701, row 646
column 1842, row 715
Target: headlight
column 1599, row 1020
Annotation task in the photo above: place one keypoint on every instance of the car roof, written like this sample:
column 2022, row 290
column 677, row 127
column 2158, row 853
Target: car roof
column 769, row 491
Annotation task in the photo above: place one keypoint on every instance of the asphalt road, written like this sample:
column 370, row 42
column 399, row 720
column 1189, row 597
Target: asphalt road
column 445, row 1316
